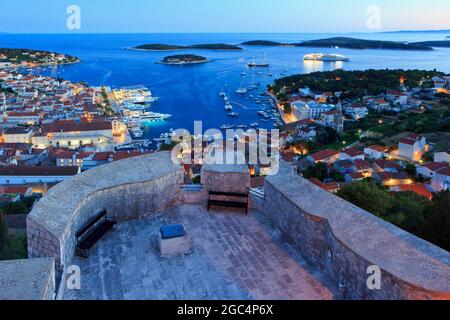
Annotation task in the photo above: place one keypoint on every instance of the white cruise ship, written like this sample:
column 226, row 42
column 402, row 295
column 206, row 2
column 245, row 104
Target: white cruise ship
column 146, row 117
column 134, row 96
column 324, row 57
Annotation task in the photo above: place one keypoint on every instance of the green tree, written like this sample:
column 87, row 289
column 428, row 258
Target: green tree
column 3, row 232
column 366, row 195
column 318, row 171
column 437, row 224
column 411, row 207
column 287, row 108
column 411, row 170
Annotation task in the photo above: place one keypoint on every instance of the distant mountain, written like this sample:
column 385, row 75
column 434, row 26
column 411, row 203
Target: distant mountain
column 353, row 43
column 168, row 47
column 418, row 31
column 436, row 44
column 264, row 43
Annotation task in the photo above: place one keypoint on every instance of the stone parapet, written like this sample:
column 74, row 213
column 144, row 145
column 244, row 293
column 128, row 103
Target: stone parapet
column 343, row 240
column 32, row 279
column 127, row 189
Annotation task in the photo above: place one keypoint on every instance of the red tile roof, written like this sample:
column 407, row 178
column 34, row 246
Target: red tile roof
column 13, row 190
column 408, row 141
column 378, row 148
column 352, row 152
column 384, row 164
column 324, row 154
column 419, row 189
column 71, row 126
column 434, row 166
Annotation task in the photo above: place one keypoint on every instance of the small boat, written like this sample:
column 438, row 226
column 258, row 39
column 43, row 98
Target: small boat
column 222, row 94
column 242, row 126
column 137, row 132
column 241, row 91
column 227, row 126
column 254, row 124
column 228, row 107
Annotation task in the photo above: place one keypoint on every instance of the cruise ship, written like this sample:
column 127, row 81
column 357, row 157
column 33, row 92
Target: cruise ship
column 146, row 117
column 134, row 96
column 324, row 57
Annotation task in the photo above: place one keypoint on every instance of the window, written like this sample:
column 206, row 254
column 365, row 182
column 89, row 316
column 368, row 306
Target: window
column 81, row 143
column 69, row 143
column 57, row 144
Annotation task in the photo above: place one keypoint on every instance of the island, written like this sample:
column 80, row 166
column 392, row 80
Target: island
column 436, row 44
column 34, row 58
column 183, row 59
column 168, row 47
column 262, row 43
column 157, row 47
column 353, row 43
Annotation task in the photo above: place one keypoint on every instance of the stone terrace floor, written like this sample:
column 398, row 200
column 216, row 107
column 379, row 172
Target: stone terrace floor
column 234, row 257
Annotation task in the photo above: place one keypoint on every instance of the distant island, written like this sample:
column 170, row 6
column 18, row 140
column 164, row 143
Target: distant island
column 168, row 47
column 436, row 44
column 34, row 58
column 183, row 59
column 262, row 43
column 353, row 43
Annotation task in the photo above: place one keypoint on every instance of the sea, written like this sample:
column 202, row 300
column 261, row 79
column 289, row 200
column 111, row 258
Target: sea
column 191, row 93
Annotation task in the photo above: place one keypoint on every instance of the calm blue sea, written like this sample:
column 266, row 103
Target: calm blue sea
column 191, row 93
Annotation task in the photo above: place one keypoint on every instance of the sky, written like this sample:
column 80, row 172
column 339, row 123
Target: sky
column 230, row 16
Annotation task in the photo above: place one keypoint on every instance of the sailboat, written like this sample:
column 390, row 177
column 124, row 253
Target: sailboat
column 241, row 89
column 254, row 64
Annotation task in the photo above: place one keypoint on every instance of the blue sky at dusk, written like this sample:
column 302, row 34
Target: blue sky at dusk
column 155, row 16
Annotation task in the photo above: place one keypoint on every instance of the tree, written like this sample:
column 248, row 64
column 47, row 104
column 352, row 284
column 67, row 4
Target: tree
column 411, row 207
column 366, row 195
column 287, row 108
column 411, row 170
column 318, row 171
column 437, row 224
column 3, row 232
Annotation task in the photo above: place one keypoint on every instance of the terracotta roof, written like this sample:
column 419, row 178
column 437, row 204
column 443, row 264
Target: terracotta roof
column 125, row 155
column 324, row 154
column 378, row 148
column 38, row 171
column 392, row 175
column 434, row 166
column 384, row 164
column 444, row 171
column 362, row 165
column 13, row 190
column 71, row 126
column 352, row 152
column 102, row 156
column 419, row 189
column 356, row 176
column 330, row 187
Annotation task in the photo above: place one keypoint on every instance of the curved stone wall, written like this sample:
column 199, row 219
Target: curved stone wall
column 343, row 240
column 128, row 189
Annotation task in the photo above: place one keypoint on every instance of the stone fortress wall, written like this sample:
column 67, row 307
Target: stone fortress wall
column 335, row 236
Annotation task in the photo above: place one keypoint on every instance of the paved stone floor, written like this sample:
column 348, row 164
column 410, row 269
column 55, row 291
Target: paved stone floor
column 234, row 257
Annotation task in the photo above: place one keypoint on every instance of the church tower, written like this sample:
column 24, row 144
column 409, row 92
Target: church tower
column 339, row 119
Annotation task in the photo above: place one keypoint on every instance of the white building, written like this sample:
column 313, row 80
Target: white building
column 17, row 135
column 441, row 180
column 312, row 110
column 351, row 154
column 375, row 152
column 27, row 118
column 72, row 134
column 23, row 175
column 442, row 157
column 412, row 147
